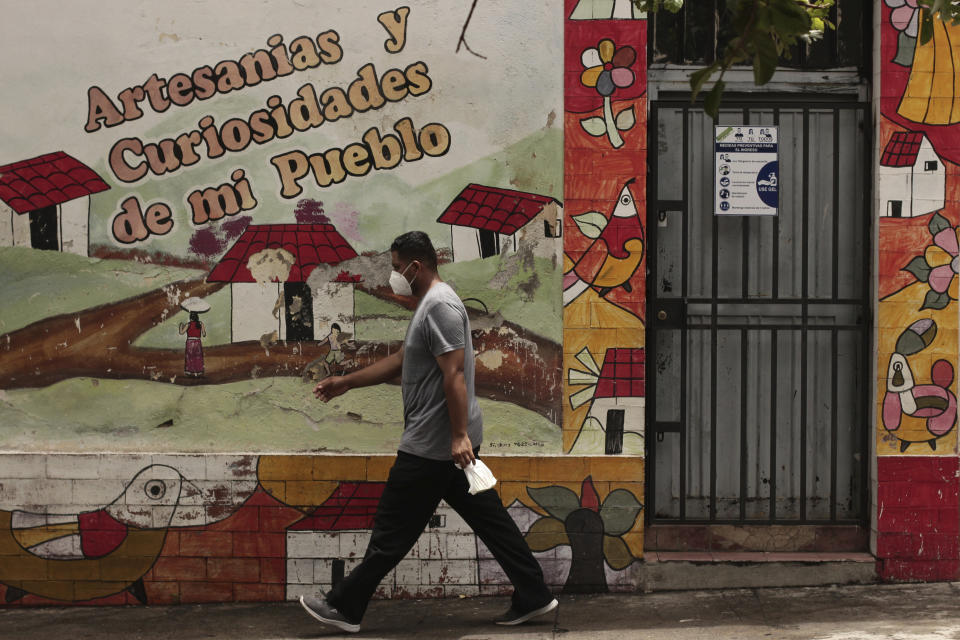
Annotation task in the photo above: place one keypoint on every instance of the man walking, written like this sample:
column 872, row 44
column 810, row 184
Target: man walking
column 442, row 426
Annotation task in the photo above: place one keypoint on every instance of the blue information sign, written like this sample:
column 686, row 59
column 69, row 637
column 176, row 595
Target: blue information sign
column 746, row 171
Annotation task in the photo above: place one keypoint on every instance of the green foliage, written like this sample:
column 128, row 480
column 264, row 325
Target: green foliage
column 763, row 31
column 945, row 10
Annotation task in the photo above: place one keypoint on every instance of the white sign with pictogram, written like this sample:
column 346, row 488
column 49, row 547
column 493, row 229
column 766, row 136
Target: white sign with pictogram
column 746, row 171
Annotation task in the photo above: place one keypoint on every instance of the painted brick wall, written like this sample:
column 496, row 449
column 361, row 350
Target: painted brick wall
column 917, row 504
column 918, row 522
column 269, row 528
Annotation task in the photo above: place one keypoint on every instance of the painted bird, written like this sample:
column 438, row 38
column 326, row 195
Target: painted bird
column 913, row 412
column 96, row 553
column 615, row 253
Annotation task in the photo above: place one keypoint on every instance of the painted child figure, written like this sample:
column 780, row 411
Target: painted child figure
column 335, row 355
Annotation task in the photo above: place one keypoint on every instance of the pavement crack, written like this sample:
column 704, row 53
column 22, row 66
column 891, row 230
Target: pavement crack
column 761, row 609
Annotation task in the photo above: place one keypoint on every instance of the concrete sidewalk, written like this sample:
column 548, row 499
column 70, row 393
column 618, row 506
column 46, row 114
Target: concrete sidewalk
column 873, row 612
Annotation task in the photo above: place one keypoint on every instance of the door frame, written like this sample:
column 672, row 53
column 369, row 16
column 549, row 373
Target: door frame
column 867, row 366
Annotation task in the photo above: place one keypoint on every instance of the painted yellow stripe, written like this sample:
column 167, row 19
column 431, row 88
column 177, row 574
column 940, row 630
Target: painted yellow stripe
column 32, row 536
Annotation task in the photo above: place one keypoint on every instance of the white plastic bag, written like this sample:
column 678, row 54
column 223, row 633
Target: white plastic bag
column 479, row 477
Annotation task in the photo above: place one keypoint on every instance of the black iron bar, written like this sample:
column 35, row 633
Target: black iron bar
column 836, row 205
column 744, row 345
column 773, row 425
column 805, row 243
column 776, row 223
column 833, row 424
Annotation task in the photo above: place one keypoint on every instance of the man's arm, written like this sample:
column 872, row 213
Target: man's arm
column 455, row 390
column 382, row 370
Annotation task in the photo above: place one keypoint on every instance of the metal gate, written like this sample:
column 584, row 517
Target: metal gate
column 758, row 327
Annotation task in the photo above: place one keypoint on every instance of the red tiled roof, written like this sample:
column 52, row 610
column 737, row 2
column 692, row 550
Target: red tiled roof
column 310, row 244
column 902, row 149
column 623, row 374
column 47, row 180
column 351, row 506
column 500, row 210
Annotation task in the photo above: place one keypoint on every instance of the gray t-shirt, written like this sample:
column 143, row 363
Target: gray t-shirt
column 439, row 325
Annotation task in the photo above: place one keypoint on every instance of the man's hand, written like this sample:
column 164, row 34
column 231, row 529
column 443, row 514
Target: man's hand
column 331, row 387
column 462, row 451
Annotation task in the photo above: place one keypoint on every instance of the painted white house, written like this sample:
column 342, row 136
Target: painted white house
column 606, row 10
column 912, row 177
column 617, row 394
column 45, row 203
column 267, row 268
column 331, row 541
column 487, row 221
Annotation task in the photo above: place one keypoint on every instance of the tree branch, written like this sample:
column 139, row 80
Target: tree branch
column 463, row 34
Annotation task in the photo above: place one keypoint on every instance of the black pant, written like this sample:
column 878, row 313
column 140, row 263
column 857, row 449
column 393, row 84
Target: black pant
column 414, row 489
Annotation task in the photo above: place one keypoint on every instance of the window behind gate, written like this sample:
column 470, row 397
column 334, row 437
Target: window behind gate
column 698, row 33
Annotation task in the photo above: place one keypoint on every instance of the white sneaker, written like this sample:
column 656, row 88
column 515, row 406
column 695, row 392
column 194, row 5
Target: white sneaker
column 512, row 616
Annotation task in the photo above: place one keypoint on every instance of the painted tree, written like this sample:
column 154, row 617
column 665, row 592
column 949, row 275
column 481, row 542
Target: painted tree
column 594, row 531
column 310, row 211
column 206, row 243
column 235, row 226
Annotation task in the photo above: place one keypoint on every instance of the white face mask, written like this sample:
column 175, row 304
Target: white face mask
column 399, row 284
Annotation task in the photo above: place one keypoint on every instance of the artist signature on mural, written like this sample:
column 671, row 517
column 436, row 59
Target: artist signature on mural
column 519, row 444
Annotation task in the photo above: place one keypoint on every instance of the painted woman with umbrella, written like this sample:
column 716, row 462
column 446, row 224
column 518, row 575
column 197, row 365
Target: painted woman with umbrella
column 193, row 350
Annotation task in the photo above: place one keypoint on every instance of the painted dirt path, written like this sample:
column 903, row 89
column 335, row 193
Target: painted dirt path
column 520, row 367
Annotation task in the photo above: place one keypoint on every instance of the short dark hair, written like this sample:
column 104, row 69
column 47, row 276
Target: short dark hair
column 336, row 326
column 415, row 245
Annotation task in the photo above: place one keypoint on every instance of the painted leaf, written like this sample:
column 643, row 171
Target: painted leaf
column 559, row 502
column 626, row 119
column 591, row 223
column 588, row 495
column 545, row 534
column 619, row 512
column 595, row 126
column 937, row 224
column 935, row 300
column 582, row 397
column 616, row 552
column 575, row 376
column 585, row 358
column 919, row 268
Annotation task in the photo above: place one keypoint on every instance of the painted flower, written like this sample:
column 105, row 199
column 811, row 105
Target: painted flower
column 939, row 265
column 607, row 67
column 905, row 16
column 943, row 258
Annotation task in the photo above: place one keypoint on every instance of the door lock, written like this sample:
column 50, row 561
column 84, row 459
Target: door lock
column 661, row 315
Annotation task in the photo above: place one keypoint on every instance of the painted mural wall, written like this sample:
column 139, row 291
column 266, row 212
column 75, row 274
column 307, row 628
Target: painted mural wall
column 918, row 178
column 196, row 206
column 236, row 164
